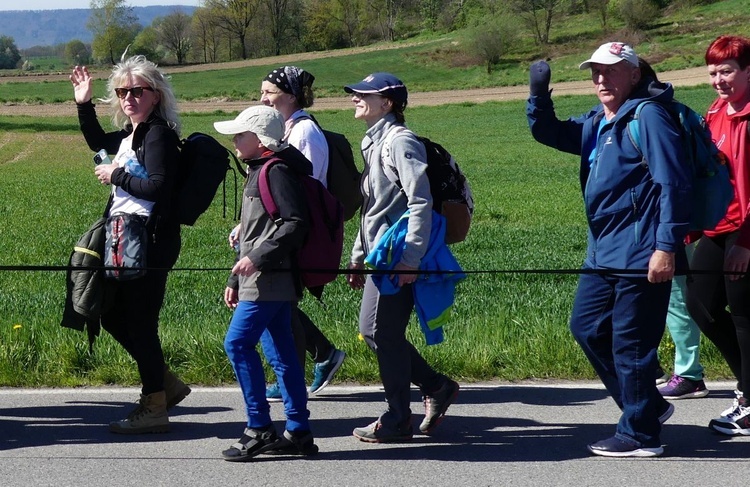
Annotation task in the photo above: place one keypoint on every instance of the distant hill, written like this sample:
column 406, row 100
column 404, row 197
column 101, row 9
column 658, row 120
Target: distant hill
column 49, row 27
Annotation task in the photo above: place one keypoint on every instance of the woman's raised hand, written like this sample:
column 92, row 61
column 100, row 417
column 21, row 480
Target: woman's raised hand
column 81, row 80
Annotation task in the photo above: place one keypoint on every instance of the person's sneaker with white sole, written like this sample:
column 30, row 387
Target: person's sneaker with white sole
column 614, row 447
column 680, row 387
column 737, row 422
column 323, row 372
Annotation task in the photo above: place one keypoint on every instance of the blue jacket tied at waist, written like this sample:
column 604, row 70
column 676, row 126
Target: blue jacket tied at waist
column 433, row 292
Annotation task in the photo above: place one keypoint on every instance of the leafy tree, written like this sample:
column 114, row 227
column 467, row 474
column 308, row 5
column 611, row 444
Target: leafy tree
column 602, row 9
column 146, row 43
column 278, row 16
column 207, row 34
column 491, row 39
column 9, row 55
column 538, row 15
column 174, row 34
column 114, row 26
column 381, row 16
column 637, row 14
column 333, row 24
column 77, row 53
column 235, row 17
column 441, row 14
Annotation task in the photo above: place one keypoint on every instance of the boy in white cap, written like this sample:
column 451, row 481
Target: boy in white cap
column 261, row 288
column 638, row 217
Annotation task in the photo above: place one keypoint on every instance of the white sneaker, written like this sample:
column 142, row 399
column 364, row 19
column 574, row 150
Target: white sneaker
column 737, row 422
column 735, row 404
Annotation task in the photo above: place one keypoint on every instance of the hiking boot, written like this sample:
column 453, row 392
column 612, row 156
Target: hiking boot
column 174, row 388
column 252, row 443
column 736, row 422
column 149, row 417
column 683, row 388
column 614, row 447
column 324, row 371
column 375, row 432
column 436, row 404
column 296, row 443
column 273, row 393
column 661, row 376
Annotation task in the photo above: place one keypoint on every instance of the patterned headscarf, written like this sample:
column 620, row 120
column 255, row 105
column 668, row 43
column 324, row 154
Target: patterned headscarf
column 291, row 79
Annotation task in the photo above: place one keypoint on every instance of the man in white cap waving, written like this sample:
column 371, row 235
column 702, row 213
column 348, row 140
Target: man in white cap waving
column 638, row 210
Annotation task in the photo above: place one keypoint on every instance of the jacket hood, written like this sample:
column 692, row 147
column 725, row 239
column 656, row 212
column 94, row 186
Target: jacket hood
column 647, row 90
column 291, row 156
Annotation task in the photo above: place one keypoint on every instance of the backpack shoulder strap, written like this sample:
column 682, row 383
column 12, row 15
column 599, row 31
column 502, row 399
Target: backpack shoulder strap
column 389, row 168
column 264, row 186
column 634, row 128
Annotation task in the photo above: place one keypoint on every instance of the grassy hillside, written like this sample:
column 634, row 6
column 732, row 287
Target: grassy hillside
column 439, row 62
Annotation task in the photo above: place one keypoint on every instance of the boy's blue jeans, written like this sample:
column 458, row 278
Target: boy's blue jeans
column 270, row 323
column 619, row 322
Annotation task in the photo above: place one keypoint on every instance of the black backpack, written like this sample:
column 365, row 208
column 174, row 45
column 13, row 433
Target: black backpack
column 204, row 163
column 450, row 190
column 343, row 176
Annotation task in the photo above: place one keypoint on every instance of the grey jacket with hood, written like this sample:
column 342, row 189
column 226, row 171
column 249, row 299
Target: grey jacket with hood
column 384, row 202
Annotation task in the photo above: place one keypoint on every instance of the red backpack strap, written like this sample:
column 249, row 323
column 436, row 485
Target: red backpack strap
column 264, row 186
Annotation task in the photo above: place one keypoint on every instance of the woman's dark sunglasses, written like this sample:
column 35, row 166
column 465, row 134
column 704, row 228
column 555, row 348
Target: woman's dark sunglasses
column 136, row 91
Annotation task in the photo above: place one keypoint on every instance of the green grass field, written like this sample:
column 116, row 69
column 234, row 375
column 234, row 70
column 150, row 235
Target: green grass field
column 505, row 325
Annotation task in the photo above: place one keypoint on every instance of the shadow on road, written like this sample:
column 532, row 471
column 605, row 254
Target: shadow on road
column 487, row 424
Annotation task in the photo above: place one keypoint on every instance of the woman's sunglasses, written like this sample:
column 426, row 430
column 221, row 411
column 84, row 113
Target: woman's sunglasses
column 136, row 91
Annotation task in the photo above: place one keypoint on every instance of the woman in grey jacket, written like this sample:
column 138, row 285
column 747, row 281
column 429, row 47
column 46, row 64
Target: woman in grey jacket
column 380, row 100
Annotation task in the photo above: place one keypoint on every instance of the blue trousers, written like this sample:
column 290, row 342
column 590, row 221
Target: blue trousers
column 270, row 323
column 619, row 322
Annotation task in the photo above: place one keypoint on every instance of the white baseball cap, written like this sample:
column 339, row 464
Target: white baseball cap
column 264, row 121
column 612, row 53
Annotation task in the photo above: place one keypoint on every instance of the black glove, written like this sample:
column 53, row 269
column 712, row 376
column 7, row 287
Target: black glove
column 539, row 77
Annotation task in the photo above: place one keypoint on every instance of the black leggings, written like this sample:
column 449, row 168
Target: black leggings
column 133, row 321
column 708, row 297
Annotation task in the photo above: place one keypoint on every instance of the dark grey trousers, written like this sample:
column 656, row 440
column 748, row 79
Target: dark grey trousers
column 382, row 323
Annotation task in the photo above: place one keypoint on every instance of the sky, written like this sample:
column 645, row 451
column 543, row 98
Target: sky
column 64, row 4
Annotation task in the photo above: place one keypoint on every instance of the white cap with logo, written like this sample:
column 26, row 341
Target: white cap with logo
column 611, row 53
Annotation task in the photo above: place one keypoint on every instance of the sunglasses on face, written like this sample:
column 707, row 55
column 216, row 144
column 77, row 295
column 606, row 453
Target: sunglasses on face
column 136, row 91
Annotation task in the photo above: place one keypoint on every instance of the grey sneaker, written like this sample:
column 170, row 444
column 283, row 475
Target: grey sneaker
column 436, row 404
column 375, row 432
column 683, row 388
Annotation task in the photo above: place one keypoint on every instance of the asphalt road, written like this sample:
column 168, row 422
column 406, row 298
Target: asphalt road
column 527, row 434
